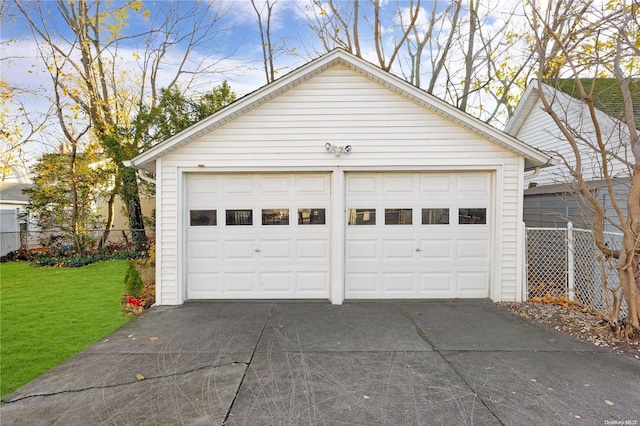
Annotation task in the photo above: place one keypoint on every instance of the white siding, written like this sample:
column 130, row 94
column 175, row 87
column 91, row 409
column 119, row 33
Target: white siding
column 386, row 131
column 540, row 131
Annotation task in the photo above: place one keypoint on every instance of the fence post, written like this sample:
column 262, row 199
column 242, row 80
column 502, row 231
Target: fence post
column 571, row 273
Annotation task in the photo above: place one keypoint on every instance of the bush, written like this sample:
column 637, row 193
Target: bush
column 71, row 259
column 133, row 284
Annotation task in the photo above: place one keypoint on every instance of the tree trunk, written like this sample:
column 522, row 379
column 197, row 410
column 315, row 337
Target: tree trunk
column 110, row 216
column 131, row 198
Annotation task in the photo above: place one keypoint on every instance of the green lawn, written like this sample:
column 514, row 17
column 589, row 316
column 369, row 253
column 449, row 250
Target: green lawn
column 49, row 314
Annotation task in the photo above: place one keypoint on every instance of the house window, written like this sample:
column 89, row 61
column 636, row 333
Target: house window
column 398, row 216
column 203, row 218
column 435, row 216
column 275, row 216
column 311, row 217
column 362, row 216
column 239, row 217
column 472, row 216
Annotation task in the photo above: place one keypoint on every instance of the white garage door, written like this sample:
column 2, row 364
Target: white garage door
column 423, row 235
column 258, row 236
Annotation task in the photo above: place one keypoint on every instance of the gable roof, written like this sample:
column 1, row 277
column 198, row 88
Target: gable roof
column 607, row 94
column 146, row 160
column 11, row 192
column 607, row 98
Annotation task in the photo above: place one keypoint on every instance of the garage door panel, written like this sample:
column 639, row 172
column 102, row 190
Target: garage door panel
column 312, row 249
column 398, row 282
column 242, row 249
column 398, row 249
column 361, row 185
column 276, row 282
column 203, row 283
column 422, row 259
column 276, row 249
column 203, row 185
column 203, row 249
column 363, row 283
column 472, row 284
column 362, row 249
column 394, row 184
column 239, row 282
column 435, row 184
column 274, row 259
column 472, row 249
column 238, row 185
column 440, row 283
column 436, row 249
column 312, row 283
column 311, row 185
column 275, row 185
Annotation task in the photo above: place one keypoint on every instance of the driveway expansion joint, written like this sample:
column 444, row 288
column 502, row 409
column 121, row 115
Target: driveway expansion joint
column 247, row 364
column 424, row 337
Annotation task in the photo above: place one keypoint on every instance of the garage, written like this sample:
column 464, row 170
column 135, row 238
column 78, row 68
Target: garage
column 258, row 236
column 339, row 181
column 417, row 235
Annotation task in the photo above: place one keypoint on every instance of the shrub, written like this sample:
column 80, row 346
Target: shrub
column 133, row 284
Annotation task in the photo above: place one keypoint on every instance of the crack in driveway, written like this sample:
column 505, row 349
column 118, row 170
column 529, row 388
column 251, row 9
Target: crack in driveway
column 127, row 383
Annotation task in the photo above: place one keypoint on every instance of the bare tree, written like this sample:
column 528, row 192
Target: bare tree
column 336, row 25
column 584, row 42
column 110, row 73
column 264, row 24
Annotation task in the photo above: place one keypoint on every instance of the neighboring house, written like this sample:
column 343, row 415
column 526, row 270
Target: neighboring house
column 339, row 181
column 550, row 199
column 120, row 220
column 13, row 217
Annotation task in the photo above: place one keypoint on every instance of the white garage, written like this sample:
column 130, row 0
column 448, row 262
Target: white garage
column 339, row 181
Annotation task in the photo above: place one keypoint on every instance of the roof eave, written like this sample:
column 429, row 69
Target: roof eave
column 533, row 157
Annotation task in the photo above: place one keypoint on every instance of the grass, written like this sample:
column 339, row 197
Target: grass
column 50, row 314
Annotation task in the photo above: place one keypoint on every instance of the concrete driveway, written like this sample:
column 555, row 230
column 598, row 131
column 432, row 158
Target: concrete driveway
column 367, row 363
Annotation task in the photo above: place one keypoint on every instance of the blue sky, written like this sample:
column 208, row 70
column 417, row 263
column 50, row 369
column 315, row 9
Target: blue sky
column 235, row 50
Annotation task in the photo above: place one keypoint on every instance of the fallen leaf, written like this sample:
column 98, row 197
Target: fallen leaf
column 153, row 339
column 139, row 376
column 606, row 401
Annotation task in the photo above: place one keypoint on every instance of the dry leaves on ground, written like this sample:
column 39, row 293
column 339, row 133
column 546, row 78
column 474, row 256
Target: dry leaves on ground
column 580, row 324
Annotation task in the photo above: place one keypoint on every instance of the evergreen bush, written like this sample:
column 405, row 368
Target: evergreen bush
column 133, row 284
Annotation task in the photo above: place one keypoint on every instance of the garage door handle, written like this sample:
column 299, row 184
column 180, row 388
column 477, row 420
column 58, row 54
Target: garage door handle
column 257, row 250
column 418, row 249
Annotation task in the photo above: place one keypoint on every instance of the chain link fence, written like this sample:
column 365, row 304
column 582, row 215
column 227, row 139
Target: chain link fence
column 31, row 240
column 567, row 263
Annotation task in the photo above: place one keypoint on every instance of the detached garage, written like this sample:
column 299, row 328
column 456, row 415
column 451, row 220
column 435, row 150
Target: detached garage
column 339, row 181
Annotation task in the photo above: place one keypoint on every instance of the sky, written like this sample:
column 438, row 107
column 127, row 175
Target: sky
column 233, row 51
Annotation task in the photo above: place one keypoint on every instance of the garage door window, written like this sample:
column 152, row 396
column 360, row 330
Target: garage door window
column 239, row 217
column 435, row 216
column 472, row 216
column 398, row 216
column 362, row 216
column 275, row 216
column 311, row 217
column 202, row 218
